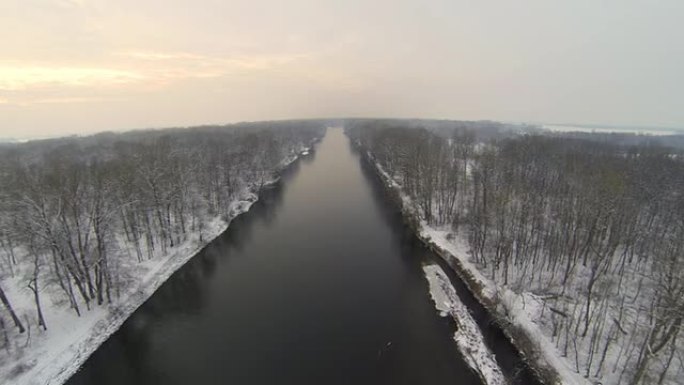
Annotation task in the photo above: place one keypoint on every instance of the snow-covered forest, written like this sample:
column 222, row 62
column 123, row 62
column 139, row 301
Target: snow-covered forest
column 581, row 239
column 86, row 222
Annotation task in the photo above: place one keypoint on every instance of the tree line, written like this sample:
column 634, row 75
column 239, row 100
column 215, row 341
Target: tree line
column 74, row 212
column 594, row 229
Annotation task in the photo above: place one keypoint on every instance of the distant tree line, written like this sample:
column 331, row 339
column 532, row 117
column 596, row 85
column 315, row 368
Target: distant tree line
column 595, row 228
column 77, row 211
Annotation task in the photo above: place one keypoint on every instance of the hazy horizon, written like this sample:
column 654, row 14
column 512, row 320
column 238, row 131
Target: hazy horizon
column 86, row 66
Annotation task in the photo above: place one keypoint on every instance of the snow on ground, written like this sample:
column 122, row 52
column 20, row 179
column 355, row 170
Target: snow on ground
column 468, row 336
column 52, row 356
column 519, row 309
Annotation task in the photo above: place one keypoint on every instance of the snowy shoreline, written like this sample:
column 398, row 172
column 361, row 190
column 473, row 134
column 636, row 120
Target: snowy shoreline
column 468, row 336
column 525, row 335
column 60, row 352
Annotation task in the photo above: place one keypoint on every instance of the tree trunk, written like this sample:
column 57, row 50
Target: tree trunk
column 8, row 306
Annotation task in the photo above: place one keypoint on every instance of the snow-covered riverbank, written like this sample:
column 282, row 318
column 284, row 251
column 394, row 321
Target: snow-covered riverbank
column 468, row 336
column 52, row 356
column 518, row 310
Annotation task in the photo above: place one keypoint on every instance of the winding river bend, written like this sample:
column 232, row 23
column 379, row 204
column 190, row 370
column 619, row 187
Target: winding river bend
column 319, row 283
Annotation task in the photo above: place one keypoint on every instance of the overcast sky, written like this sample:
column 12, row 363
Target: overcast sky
column 79, row 66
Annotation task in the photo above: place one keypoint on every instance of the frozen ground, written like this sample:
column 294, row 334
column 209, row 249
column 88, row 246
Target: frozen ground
column 52, row 356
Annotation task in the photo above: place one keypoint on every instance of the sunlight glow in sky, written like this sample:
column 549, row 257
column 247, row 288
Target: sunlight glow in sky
column 81, row 66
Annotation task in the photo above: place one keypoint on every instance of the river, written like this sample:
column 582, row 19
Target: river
column 319, row 283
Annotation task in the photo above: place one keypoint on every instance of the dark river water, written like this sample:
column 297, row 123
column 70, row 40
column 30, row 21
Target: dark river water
column 319, row 283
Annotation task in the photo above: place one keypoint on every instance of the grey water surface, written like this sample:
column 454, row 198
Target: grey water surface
column 319, row 283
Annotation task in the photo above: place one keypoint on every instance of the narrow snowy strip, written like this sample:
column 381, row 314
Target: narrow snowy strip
column 468, row 336
column 517, row 310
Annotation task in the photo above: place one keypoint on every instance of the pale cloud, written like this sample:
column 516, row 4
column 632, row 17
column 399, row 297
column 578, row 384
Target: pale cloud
column 18, row 78
column 61, row 100
column 135, row 70
column 139, row 68
column 147, row 55
column 70, row 3
column 214, row 65
column 87, row 65
column 313, row 67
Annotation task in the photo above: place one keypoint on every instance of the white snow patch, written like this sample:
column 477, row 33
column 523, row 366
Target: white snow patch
column 468, row 336
column 519, row 309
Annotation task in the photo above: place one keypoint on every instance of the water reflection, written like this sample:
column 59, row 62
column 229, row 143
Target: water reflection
column 318, row 283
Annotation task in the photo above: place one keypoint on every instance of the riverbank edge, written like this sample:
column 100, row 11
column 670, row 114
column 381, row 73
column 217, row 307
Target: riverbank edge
column 60, row 368
column 519, row 337
column 468, row 336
